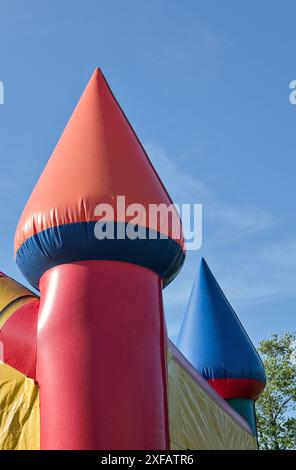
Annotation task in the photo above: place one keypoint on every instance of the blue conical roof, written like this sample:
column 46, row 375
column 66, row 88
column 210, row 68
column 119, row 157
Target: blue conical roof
column 212, row 338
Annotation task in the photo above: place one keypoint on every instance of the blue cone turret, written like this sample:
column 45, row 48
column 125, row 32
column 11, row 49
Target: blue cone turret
column 213, row 339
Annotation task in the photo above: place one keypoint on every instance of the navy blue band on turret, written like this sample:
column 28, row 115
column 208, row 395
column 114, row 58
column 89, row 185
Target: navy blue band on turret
column 77, row 242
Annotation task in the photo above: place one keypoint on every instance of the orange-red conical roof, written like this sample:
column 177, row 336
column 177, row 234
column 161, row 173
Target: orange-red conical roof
column 97, row 158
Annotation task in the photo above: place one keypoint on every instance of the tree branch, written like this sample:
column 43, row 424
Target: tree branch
column 282, row 406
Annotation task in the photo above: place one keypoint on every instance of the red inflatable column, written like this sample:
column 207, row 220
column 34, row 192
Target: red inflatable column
column 101, row 340
column 101, row 363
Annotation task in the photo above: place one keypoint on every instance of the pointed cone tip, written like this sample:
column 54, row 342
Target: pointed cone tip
column 98, row 72
column 203, row 262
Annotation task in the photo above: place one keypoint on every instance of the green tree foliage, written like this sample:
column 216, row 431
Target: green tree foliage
column 276, row 408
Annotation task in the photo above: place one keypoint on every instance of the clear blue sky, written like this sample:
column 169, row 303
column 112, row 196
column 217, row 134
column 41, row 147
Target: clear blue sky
column 205, row 85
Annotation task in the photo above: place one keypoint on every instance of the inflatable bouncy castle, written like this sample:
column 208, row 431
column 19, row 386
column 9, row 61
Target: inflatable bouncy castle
column 86, row 362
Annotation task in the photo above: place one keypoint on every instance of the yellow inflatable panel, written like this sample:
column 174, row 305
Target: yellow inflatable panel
column 196, row 420
column 19, row 411
column 11, row 290
column 12, row 307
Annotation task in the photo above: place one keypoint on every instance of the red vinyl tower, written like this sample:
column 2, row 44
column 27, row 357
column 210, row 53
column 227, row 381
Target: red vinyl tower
column 101, row 334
